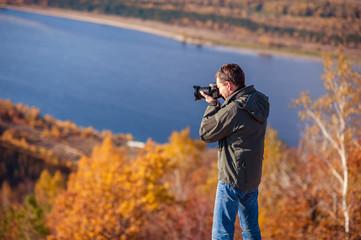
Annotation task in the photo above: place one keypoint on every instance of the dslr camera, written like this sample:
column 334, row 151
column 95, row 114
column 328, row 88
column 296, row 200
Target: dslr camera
column 212, row 91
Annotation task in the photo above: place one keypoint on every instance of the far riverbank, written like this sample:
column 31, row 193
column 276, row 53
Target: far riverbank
column 183, row 34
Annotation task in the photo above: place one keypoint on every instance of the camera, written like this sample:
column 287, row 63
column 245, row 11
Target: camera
column 212, row 91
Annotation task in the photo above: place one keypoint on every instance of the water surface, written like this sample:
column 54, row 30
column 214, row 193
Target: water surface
column 133, row 82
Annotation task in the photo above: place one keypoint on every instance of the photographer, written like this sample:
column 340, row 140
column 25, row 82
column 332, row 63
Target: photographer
column 239, row 126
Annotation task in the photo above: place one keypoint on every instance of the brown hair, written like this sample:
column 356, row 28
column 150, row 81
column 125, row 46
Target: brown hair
column 231, row 73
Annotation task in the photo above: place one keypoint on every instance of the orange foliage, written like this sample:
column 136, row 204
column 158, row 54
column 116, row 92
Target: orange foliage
column 109, row 196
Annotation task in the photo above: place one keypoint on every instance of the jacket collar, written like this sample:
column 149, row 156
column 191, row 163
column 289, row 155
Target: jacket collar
column 239, row 93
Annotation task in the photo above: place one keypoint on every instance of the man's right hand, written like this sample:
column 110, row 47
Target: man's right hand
column 208, row 98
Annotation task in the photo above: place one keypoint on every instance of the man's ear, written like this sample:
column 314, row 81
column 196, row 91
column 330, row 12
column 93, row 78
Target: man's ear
column 229, row 85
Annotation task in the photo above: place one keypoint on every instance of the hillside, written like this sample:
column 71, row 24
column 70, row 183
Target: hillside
column 306, row 27
column 61, row 141
column 30, row 143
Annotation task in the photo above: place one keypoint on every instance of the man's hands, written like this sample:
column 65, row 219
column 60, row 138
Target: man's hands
column 208, row 98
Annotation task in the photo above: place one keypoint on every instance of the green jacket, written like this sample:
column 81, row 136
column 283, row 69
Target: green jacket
column 239, row 126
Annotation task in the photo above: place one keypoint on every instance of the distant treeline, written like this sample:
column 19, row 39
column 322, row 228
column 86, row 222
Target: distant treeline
column 174, row 16
column 326, row 8
column 262, row 18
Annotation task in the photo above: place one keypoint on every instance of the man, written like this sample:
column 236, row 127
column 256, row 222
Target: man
column 239, row 126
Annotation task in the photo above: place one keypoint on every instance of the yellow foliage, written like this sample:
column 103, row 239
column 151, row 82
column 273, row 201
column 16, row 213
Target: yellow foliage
column 110, row 196
column 114, row 197
column 47, row 188
column 184, row 152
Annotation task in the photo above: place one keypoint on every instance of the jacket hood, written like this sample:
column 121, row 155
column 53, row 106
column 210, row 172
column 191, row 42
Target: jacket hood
column 252, row 101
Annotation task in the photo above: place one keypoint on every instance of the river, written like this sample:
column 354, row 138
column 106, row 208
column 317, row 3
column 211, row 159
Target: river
column 133, row 82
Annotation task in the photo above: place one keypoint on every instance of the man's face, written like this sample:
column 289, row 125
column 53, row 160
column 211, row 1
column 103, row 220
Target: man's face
column 223, row 88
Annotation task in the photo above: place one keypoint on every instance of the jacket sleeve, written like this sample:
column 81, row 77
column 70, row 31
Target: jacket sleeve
column 217, row 123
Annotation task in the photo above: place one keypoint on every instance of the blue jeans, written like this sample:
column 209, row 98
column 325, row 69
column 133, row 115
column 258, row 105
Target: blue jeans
column 229, row 201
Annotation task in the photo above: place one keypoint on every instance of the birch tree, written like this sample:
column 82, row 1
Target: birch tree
column 334, row 120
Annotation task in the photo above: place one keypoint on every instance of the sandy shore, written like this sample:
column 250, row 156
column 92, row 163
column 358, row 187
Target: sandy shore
column 110, row 20
column 183, row 34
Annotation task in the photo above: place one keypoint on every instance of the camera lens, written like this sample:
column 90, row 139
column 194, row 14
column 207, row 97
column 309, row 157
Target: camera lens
column 197, row 94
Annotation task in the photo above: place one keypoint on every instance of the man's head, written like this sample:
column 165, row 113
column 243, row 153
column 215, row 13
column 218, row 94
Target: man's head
column 230, row 77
